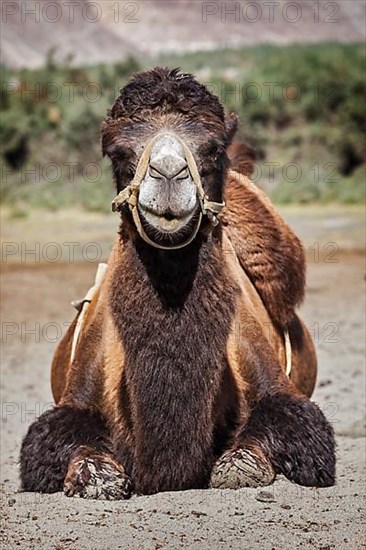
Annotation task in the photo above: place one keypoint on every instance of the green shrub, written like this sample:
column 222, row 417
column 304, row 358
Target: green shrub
column 320, row 119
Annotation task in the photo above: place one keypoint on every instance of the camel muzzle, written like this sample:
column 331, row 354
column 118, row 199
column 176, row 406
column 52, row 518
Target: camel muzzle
column 130, row 194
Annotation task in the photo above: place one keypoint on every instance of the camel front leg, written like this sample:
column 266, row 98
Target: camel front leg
column 68, row 448
column 285, row 434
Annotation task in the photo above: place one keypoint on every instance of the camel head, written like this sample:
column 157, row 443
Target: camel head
column 168, row 135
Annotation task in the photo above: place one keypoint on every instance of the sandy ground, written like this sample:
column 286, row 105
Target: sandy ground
column 35, row 309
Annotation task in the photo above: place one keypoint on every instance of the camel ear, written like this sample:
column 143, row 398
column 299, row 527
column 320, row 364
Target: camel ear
column 231, row 125
column 106, row 137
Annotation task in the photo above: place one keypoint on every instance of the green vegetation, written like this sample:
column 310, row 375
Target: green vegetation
column 302, row 107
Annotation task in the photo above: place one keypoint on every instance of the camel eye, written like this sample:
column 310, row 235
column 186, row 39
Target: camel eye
column 183, row 174
column 154, row 173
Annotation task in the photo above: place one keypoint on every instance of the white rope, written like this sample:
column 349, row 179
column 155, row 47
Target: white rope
column 82, row 306
column 288, row 352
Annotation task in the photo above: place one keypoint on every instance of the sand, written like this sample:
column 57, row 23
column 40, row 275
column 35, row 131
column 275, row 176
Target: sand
column 36, row 296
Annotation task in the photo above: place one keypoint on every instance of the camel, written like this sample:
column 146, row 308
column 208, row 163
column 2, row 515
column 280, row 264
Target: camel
column 242, row 158
column 187, row 366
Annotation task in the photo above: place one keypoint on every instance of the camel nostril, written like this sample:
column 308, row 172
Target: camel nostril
column 168, row 167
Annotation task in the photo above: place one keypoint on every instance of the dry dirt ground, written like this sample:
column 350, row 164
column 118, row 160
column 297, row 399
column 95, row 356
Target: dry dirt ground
column 35, row 308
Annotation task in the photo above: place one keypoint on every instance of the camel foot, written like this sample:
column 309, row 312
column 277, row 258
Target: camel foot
column 243, row 467
column 94, row 475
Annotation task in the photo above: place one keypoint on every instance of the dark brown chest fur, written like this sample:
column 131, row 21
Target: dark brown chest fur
column 174, row 312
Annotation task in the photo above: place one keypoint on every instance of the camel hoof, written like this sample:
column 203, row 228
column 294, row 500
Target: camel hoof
column 246, row 467
column 98, row 477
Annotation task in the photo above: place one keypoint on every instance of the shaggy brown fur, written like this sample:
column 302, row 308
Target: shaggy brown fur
column 242, row 158
column 180, row 360
column 267, row 249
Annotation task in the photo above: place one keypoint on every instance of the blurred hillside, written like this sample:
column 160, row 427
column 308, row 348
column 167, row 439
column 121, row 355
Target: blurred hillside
column 109, row 31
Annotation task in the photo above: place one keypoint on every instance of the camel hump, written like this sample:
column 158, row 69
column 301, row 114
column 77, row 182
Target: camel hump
column 267, row 249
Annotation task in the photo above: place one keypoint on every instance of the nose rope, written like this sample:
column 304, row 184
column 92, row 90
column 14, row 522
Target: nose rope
column 129, row 195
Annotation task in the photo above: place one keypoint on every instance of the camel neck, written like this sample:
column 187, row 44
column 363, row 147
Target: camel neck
column 172, row 273
column 173, row 312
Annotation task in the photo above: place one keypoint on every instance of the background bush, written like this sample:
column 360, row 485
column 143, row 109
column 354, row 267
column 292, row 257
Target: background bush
column 314, row 118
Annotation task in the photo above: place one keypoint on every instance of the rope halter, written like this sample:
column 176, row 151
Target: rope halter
column 129, row 195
